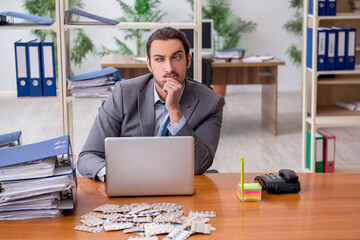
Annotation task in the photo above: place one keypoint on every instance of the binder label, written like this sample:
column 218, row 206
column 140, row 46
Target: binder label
column 341, row 44
column 331, row 150
column 331, row 52
column 322, row 37
column 319, row 150
column 48, row 64
column 351, row 44
column 21, row 58
column 34, row 62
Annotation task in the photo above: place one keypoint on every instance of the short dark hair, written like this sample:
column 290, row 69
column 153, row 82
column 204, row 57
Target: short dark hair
column 167, row 33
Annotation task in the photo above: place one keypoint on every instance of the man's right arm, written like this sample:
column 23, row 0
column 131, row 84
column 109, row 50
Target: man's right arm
column 107, row 124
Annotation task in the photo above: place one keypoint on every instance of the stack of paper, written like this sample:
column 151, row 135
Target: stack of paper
column 257, row 58
column 94, row 84
column 352, row 106
column 37, row 180
column 252, row 192
column 230, row 53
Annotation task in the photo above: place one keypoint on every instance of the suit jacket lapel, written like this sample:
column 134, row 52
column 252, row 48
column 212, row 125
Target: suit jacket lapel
column 146, row 109
column 188, row 101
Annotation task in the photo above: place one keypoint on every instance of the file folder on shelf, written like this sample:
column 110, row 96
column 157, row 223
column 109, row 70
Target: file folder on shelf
column 35, row 20
column 72, row 16
column 330, row 7
column 329, row 151
column 330, row 48
column 48, row 68
column 340, row 48
column 322, row 49
column 10, row 139
column 309, row 47
column 22, row 75
column 319, row 152
column 350, row 48
column 34, row 67
column 321, row 7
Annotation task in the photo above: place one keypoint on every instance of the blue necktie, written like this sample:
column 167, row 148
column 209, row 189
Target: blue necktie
column 165, row 131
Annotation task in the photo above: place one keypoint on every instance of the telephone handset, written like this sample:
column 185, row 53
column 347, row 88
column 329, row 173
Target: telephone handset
column 286, row 182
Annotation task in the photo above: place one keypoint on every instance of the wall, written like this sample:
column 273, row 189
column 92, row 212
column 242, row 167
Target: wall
column 270, row 37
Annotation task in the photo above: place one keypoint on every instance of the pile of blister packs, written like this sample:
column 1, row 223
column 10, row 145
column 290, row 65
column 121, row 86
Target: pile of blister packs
column 147, row 220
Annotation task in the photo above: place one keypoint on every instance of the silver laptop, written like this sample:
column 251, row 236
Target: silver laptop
column 141, row 166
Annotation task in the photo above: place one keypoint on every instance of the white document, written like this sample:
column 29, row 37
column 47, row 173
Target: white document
column 14, row 190
column 38, row 168
column 44, row 201
column 17, row 215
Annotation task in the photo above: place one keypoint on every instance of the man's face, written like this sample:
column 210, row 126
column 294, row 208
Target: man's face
column 168, row 60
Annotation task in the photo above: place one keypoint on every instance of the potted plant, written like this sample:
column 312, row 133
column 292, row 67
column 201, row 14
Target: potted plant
column 294, row 26
column 82, row 44
column 143, row 11
column 228, row 28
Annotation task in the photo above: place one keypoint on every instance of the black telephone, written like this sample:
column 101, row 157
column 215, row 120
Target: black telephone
column 286, row 182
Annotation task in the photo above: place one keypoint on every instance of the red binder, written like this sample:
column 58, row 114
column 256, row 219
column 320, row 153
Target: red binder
column 329, row 151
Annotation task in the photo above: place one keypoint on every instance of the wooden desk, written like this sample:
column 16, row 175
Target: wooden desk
column 328, row 207
column 264, row 73
column 223, row 73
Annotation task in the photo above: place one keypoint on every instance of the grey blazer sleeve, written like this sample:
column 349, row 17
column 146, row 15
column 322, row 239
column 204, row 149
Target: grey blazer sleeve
column 206, row 133
column 107, row 124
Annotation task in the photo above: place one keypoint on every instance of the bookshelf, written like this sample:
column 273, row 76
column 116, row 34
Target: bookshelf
column 65, row 52
column 7, row 96
column 320, row 94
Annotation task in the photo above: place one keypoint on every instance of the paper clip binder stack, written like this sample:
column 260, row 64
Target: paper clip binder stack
column 94, row 84
column 37, row 180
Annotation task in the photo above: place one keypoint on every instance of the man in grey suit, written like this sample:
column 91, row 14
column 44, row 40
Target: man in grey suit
column 163, row 102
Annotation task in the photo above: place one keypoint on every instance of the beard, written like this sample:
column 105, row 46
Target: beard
column 173, row 75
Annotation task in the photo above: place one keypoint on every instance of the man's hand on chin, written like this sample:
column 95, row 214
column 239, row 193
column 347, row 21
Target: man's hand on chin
column 173, row 89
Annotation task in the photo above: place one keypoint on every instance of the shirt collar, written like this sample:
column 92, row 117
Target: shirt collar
column 156, row 95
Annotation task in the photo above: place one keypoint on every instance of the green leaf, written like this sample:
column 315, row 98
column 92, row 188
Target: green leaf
column 82, row 45
column 227, row 25
column 294, row 54
column 143, row 11
column 46, row 8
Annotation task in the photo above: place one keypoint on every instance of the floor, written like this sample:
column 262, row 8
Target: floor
column 242, row 135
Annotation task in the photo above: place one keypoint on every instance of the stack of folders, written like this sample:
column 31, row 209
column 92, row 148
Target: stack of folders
column 10, row 139
column 230, row 53
column 37, row 180
column 325, row 7
column 336, row 48
column 94, row 84
column 324, row 151
column 35, row 68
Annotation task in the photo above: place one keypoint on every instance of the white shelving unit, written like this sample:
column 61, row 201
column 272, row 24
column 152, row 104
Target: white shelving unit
column 11, row 96
column 65, row 50
column 320, row 94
